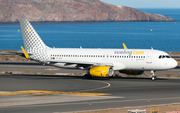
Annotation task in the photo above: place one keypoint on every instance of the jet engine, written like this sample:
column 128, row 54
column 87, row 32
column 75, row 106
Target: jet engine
column 101, row 71
column 132, row 72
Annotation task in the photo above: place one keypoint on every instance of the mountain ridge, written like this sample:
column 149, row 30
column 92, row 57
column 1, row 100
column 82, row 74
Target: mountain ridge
column 71, row 11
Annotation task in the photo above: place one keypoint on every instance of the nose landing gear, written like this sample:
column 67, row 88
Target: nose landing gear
column 153, row 75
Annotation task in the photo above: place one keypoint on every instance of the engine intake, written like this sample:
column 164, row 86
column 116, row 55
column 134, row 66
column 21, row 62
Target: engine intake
column 101, row 71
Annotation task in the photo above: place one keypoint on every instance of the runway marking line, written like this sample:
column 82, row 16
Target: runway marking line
column 13, row 93
column 37, row 92
column 108, row 85
column 164, row 98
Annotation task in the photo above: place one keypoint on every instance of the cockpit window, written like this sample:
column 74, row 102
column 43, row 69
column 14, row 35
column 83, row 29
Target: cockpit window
column 164, row 56
column 168, row 56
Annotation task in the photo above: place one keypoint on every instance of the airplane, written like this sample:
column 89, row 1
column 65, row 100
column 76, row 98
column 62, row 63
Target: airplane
column 97, row 62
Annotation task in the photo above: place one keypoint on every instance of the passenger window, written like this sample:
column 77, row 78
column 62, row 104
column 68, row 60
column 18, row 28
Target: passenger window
column 160, row 56
column 163, row 56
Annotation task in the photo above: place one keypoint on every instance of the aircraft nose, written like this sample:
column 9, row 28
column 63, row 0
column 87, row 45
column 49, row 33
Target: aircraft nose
column 174, row 64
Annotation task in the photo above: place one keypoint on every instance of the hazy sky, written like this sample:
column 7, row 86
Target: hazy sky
column 146, row 3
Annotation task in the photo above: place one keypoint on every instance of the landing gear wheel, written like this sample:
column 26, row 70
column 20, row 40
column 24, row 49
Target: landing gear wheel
column 153, row 78
column 153, row 75
column 110, row 77
column 87, row 76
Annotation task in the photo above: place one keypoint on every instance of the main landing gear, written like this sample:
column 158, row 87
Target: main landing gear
column 87, row 76
column 153, row 75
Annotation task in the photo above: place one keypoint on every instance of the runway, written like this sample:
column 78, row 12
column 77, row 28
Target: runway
column 54, row 94
column 17, row 66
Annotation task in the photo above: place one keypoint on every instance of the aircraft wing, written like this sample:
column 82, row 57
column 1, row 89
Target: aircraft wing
column 77, row 62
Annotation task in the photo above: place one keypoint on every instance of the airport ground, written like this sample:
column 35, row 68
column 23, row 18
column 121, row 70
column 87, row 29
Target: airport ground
column 47, row 89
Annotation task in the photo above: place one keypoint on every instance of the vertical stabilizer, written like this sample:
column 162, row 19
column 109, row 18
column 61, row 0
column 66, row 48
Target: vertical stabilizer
column 32, row 42
column 30, row 36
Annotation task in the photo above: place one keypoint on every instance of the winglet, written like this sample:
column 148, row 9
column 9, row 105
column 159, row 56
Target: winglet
column 124, row 46
column 26, row 55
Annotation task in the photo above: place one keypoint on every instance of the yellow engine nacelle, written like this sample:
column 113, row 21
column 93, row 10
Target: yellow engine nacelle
column 101, row 71
column 132, row 72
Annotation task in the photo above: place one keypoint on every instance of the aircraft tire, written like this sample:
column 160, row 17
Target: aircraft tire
column 153, row 78
column 87, row 76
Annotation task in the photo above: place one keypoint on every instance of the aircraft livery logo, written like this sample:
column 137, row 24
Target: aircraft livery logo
column 129, row 52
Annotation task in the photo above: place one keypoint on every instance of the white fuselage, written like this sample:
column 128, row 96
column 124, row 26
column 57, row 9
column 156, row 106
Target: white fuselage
column 121, row 59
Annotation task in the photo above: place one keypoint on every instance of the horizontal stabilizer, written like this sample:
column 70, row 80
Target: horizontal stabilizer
column 25, row 54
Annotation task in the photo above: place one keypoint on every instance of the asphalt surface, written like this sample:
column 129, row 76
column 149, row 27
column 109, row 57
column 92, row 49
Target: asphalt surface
column 17, row 66
column 123, row 92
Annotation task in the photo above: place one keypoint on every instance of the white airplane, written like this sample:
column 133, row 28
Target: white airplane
column 98, row 62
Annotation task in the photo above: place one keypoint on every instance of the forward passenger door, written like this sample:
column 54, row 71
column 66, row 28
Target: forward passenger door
column 149, row 57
